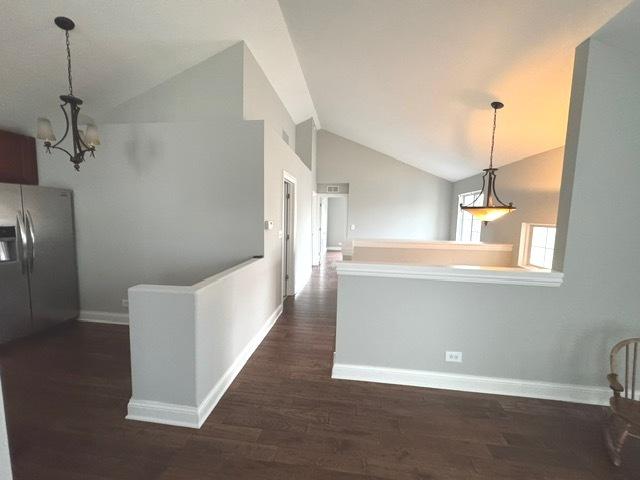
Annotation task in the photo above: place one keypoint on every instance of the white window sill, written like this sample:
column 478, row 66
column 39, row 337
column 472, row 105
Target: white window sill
column 454, row 273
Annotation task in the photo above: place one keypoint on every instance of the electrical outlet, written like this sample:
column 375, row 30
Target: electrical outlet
column 453, row 357
column 125, row 302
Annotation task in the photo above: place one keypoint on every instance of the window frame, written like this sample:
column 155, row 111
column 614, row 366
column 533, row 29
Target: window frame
column 461, row 213
column 524, row 252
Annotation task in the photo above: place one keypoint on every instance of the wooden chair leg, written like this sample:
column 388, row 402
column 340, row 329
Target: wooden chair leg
column 616, row 432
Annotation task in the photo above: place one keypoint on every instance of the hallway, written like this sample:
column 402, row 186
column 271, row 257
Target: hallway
column 283, row 417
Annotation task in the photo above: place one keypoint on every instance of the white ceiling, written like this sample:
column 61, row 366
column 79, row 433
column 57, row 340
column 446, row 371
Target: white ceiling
column 410, row 78
column 414, row 78
column 121, row 48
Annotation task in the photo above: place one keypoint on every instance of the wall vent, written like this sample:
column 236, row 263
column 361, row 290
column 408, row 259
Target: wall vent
column 333, row 189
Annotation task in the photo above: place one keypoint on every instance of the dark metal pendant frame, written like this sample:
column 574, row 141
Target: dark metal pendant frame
column 79, row 147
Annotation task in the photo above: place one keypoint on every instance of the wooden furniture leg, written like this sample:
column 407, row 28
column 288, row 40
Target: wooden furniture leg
column 616, row 432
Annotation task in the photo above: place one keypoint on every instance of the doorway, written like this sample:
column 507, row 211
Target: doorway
column 288, row 234
column 332, row 220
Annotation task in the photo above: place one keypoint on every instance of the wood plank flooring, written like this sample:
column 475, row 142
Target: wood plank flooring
column 283, row 417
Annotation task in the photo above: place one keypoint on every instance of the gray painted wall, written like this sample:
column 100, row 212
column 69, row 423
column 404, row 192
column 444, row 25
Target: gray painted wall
column 532, row 184
column 261, row 102
column 279, row 158
column 336, row 221
column 208, row 90
column 561, row 334
column 163, row 203
column 166, row 202
column 387, row 198
column 306, row 137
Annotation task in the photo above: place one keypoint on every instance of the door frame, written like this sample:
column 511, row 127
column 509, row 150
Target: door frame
column 315, row 234
column 288, row 225
column 327, row 196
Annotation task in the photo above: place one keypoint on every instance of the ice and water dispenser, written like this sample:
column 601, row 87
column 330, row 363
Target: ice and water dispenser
column 8, row 247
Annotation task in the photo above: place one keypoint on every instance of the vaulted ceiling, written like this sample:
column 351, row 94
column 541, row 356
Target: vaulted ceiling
column 414, row 78
column 410, row 78
column 121, row 48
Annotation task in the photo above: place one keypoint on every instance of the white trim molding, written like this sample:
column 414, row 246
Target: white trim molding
column 93, row 316
column 213, row 397
column 472, row 383
column 194, row 416
column 453, row 273
column 434, row 245
column 165, row 413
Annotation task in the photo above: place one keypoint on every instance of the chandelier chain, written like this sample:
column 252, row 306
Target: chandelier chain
column 493, row 137
column 69, row 63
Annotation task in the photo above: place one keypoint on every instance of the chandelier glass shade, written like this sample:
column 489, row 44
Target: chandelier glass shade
column 82, row 142
column 493, row 208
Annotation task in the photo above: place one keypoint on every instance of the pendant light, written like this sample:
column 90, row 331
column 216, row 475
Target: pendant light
column 493, row 207
column 82, row 142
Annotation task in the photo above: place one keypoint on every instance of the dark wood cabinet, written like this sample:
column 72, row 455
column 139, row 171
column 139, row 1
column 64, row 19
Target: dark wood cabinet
column 18, row 163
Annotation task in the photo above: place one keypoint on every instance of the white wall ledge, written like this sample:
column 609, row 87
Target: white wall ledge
column 453, row 273
column 433, row 245
column 181, row 289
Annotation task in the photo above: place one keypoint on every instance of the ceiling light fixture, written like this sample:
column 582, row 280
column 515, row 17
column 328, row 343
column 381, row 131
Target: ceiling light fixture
column 83, row 142
column 493, row 208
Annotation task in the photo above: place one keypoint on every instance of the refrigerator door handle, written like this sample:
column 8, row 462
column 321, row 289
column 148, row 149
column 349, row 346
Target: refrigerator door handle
column 31, row 241
column 21, row 242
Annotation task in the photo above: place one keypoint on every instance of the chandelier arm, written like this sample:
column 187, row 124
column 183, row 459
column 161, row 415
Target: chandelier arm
column 77, row 149
column 479, row 193
column 495, row 194
column 86, row 148
column 62, row 150
column 66, row 130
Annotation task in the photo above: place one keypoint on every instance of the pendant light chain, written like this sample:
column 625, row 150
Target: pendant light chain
column 69, row 63
column 493, row 137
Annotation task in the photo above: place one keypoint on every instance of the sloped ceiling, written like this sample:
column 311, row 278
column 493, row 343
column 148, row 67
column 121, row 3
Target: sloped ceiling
column 121, row 48
column 414, row 78
column 410, row 78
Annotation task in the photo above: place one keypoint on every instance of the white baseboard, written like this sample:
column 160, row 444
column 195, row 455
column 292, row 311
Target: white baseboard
column 213, row 397
column 334, row 249
column 191, row 416
column 472, row 383
column 93, row 316
column 165, row 413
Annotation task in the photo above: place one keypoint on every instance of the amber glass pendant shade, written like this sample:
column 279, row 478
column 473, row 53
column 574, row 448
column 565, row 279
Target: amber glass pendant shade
column 488, row 214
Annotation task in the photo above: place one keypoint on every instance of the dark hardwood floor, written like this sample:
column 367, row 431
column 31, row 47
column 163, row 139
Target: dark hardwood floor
column 283, row 417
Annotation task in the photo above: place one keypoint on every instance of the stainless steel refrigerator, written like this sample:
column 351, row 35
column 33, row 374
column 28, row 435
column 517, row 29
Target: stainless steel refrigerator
column 38, row 271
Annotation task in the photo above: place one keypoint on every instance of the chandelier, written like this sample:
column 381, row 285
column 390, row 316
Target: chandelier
column 83, row 142
column 493, row 207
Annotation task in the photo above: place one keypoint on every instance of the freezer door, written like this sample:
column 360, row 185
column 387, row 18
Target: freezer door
column 51, row 255
column 15, row 314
